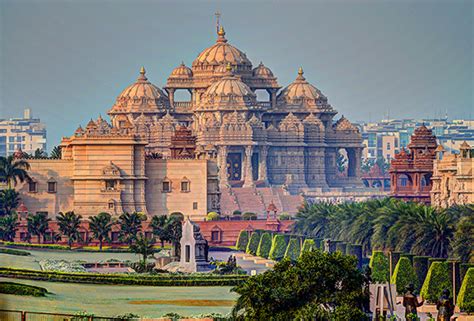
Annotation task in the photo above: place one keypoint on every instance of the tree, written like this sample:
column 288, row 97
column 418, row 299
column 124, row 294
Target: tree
column 341, row 163
column 313, row 219
column 13, row 170
column 242, row 241
column 143, row 246
column 39, row 154
column 38, row 224
column 277, row 251
column 212, row 216
column 318, row 286
column 403, row 275
column 265, row 245
column 158, row 224
column 56, row 153
column 130, row 226
column 308, row 245
column 101, row 226
column 174, row 229
column 463, row 243
column 69, row 224
column 8, row 227
column 252, row 246
column 9, row 200
column 293, row 250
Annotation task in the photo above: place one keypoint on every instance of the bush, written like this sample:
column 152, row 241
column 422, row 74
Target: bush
column 403, row 275
column 21, row 289
column 265, row 245
column 341, row 247
column 466, row 294
column 14, row 252
column 253, row 243
column 212, row 216
column 420, row 266
column 237, row 213
column 242, row 241
column 284, row 217
column 380, row 267
column 41, row 246
column 293, row 250
column 249, row 216
column 277, row 252
column 308, row 245
column 437, row 279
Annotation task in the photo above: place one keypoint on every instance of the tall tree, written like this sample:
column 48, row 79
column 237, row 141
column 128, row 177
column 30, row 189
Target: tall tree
column 130, row 226
column 13, row 170
column 174, row 229
column 158, row 224
column 9, row 200
column 69, row 224
column 101, row 226
column 38, row 225
column 143, row 246
column 463, row 242
column 8, row 227
column 56, row 153
column 39, row 154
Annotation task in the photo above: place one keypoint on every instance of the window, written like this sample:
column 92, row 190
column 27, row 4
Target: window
column 195, row 205
column 388, row 146
column 51, row 187
column 110, row 185
column 166, row 186
column 32, row 187
column 187, row 253
column 215, row 236
column 111, row 205
column 185, row 186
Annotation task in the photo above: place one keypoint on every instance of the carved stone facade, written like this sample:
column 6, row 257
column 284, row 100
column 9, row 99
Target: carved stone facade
column 411, row 172
column 453, row 177
column 287, row 140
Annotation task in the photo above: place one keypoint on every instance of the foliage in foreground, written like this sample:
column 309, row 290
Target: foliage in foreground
column 437, row 279
column 21, row 289
column 466, row 293
column 318, row 286
column 380, row 267
column 403, row 275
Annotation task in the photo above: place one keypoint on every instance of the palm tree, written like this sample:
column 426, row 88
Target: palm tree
column 313, row 219
column 69, row 224
column 38, row 225
column 130, row 225
column 463, row 242
column 8, row 227
column 56, row 153
column 9, row 200
column 13, row 170
column 174, row 231
column 101, row 226
column 158, row 223
column 143, row 246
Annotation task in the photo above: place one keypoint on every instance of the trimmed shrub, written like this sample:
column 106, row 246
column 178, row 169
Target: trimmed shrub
column 403, row 275
column 436, row 281
column 463, row 267
column 265, row 245
column 249, row 216
column 408, row 256
column 277, row 252
column 319, row 243
column 420, row 266
column 308, row 245
column 435, row 259
column 284, row 217
column 395, row 257
column 212, row 216
column 242, row 241
column 380, row 267
column 293, row 250
column 253, row 243
column 466, row 294
column 21, row 289
column 14, row 252
column 355, row 250
column 341, row 247
column 237, row 213
column 41, row 246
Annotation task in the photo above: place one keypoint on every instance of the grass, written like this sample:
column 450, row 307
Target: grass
column 188, row 303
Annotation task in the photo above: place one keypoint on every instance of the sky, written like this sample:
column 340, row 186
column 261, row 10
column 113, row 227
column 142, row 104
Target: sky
column 68, row 60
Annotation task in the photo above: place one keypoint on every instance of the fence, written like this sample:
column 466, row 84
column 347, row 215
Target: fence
column 13, row 315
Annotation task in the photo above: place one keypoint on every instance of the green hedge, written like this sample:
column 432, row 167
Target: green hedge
column 14, row 252
column 277, row 252
column 463, row 268
column 252, row 247
column 466, row 294
column 293, row 250
column 437, row 279
column 165, row 279
column 408, row 256
column 265, row 245
column 341, row 247
column 21, row 289
column 380, row 267
column 420, row 266
column 40, row 246
column 308, row 245
column 403, row 275
column 242, row 241
column 395, row 257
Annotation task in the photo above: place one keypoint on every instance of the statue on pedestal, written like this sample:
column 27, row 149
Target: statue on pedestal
column 410, row 302
column 445, row 307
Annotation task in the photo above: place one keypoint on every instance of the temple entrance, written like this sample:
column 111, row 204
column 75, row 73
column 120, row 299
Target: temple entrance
column 234, row 166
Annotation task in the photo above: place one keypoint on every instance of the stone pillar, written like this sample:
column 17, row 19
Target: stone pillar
column 248, row 180
column 171, row 96
column 262, row 166
column 273, row 97
column 222, row 163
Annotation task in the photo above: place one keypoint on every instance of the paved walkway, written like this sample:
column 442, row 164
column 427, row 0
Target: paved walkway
column 245, row 261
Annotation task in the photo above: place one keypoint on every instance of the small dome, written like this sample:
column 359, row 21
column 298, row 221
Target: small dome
column 182, row 71
column 262, row 71
column 300, row 90
column 222, row 53
column 142, row 96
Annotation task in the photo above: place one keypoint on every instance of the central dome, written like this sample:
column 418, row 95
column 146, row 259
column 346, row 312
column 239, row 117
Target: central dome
column 222, row 53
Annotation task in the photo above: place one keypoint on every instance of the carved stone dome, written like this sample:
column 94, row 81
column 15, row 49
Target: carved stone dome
column 140, row 97
column 222, row 53
column 300, row 91
column 182, row 71
column 262, row 71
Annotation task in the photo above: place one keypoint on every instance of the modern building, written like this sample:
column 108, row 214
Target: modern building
column 411, row 171
column 27, row 134
column 453, row 177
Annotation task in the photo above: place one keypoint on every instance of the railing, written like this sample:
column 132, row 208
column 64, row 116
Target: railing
column 182, row 104
column 13, row 315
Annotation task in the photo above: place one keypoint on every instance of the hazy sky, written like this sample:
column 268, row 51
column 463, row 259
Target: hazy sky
column 68, row 60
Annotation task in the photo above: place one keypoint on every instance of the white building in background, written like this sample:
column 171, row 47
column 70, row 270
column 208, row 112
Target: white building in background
column 27, row 133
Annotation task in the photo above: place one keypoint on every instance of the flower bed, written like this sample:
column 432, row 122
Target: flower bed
column 61, row 266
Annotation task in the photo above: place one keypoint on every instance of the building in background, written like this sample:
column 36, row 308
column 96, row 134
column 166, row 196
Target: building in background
column 27, row 134
column 453, row 177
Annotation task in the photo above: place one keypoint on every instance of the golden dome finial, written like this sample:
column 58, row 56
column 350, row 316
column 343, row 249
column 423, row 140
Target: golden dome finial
column 228, row 68
column 221, row 32
column 300, row 71
column 142, row 70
